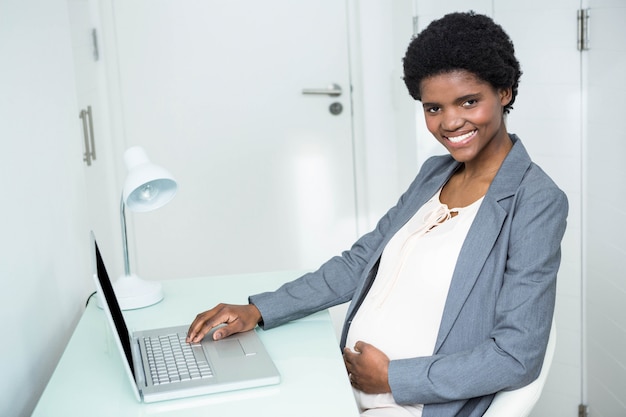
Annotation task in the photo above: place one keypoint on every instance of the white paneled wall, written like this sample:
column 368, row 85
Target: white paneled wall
column 605, row 202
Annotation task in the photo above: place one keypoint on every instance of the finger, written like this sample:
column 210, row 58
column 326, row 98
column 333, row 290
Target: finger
column 359, row 346
column 195, row 328
column 232, row 327
column 346, row 361
column 348, row 356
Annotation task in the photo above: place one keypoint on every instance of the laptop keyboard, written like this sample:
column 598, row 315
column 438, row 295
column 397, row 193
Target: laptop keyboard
column 172, row 359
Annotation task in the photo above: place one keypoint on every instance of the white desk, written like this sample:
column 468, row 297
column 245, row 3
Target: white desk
column 90, row 381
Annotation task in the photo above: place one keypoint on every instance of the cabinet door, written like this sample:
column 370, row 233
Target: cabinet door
column 45, row 261
column 214, row 91
column 93, row 121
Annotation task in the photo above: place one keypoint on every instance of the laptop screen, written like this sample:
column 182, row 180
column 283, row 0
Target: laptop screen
column 114, row 307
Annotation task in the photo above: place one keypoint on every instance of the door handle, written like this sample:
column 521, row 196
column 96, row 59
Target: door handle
column 333, row 90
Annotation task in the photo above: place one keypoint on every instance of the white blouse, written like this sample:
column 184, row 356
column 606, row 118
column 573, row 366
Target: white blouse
column 402, row 312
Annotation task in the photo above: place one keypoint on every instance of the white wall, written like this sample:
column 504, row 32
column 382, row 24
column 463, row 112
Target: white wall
column 44, row 258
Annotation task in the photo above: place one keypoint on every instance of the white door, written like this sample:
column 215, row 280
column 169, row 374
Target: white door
column 214, row 91
column 547, row 119
column 605, row 245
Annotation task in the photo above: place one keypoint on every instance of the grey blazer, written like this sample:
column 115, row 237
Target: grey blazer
column 497, row 317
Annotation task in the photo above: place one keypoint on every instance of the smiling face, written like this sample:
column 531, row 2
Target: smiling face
column 465, row 114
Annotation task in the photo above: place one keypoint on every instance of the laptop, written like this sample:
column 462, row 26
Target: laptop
column 153, row 358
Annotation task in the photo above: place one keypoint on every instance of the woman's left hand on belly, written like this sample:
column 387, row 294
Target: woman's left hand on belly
column 367, row 367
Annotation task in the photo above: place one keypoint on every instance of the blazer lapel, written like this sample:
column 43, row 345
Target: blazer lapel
column 474, row 252
column 483, row 234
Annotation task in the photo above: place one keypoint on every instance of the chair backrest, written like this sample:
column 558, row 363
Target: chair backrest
column 520, row 402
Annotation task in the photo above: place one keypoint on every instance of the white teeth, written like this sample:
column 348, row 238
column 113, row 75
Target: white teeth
column 461, row 138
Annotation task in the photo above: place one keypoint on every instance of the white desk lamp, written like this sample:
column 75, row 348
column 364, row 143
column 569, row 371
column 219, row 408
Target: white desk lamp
column 147, row 187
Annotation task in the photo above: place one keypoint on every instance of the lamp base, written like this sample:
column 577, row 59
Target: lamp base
column 133, row 292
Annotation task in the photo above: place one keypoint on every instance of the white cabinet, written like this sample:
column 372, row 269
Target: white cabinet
column 93, row 119
column 45, row 263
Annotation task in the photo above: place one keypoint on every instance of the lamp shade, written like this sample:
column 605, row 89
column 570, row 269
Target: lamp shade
column 148, row 186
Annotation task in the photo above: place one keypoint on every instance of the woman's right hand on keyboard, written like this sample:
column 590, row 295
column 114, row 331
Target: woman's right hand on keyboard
column 238, row 318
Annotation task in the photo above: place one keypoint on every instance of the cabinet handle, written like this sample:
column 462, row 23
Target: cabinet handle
column 91, row 136
column 88, row 136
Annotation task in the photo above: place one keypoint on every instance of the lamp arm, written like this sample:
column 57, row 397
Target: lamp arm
column 124, row 238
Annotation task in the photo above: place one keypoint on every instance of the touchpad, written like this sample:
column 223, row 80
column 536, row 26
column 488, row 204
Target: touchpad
column 229, row 348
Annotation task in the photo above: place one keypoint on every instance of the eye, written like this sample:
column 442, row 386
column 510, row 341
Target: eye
column 432, row 109
column 470, row 103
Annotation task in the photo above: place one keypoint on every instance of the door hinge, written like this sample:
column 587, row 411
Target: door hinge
column 583, row 411
column 583, row 29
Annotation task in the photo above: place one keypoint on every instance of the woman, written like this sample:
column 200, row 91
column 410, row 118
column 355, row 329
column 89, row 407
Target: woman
column 452, row 294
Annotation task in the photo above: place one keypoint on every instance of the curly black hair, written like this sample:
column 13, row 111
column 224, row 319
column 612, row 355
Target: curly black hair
column 463, row 41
